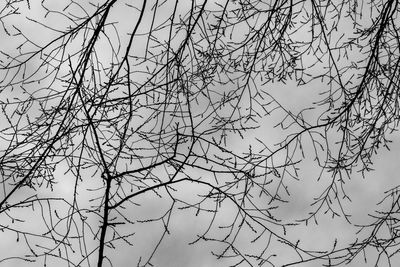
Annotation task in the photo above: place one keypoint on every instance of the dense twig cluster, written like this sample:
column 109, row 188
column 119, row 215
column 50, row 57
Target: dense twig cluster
column 109, row 106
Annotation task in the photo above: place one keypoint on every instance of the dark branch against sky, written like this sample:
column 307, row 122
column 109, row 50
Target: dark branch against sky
column 199, row 133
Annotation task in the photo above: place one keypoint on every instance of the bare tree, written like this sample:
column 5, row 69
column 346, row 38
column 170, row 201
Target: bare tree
column 117, row 116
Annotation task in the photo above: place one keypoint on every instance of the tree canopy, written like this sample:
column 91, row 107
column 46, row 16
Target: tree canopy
column 125, row 122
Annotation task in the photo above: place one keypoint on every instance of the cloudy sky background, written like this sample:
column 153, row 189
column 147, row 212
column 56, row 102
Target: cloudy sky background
column 365, row 192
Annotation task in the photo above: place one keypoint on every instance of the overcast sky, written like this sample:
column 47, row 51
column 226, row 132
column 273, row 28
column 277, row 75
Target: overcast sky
column 175, row 251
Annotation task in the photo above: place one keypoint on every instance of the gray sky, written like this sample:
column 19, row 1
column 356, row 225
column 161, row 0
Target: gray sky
column 184, row 225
